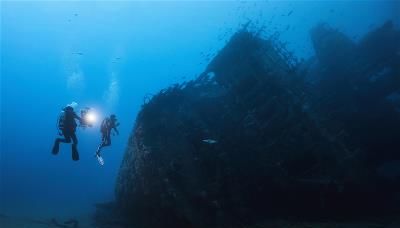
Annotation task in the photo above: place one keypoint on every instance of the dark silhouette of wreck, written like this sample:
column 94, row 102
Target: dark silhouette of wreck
column 311, row 140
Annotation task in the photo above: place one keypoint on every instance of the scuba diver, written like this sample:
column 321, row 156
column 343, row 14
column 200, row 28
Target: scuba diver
column 108, row 124
column 67, row 127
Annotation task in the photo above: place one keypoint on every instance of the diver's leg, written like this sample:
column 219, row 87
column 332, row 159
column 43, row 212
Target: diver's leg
column 107, row 140
column 103, row 137
column 75, row 154
column 56, row 146
column 74, row 138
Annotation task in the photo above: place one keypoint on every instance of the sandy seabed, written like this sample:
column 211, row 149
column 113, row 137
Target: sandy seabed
column 85, row 222
column 16, row 222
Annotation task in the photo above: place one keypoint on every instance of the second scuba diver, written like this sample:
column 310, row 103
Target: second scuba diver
column 67, row 126
column 108, row 124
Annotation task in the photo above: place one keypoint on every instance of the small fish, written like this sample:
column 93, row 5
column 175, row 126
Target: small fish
column 290, row 13
column 78, row 53
column 75, row 14
column 210, row 141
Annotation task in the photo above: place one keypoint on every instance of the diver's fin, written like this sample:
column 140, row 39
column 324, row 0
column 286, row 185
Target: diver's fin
column 75, row 154
column 99, row 159
column 98, row 151
column 56, row 148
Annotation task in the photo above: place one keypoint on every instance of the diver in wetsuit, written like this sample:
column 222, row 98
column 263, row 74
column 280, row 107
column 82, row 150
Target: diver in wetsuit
column 67, row 126
column 107, row 125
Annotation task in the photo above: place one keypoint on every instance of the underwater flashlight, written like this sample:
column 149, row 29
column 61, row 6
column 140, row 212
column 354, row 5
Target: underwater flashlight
column 91, row 117
column 88, row 117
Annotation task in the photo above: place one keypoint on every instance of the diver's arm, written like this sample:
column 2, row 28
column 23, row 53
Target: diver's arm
column 78, row 117
column 116, row 130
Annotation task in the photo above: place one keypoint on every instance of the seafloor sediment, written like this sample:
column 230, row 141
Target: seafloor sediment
column 8, row 222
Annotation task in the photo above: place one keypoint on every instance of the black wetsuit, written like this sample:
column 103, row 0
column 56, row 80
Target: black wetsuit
column 107, row 126
column 68, row 132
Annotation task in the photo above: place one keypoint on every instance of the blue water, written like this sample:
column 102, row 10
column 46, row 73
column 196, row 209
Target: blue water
column 128, row 50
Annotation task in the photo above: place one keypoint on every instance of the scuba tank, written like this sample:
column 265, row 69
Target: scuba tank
column 61, row 122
